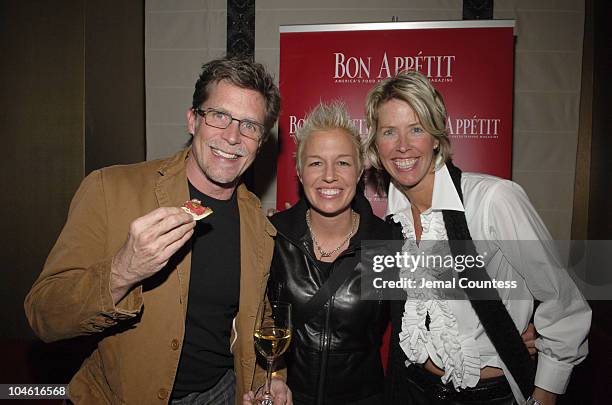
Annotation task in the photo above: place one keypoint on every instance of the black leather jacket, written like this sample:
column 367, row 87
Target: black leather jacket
column 334, row 356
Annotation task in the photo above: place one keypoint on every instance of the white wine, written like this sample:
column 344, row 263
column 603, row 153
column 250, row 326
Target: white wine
column 272, row 342
column 272, row 335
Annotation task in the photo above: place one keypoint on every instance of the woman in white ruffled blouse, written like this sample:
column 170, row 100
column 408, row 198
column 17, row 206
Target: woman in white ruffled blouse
column 465, row 351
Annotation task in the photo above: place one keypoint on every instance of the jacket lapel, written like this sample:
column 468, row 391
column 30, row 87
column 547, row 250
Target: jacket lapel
column 171, row 190
column 255, row 255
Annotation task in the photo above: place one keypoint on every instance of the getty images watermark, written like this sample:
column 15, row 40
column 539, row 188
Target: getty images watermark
column 507, row 269
column 411, row 263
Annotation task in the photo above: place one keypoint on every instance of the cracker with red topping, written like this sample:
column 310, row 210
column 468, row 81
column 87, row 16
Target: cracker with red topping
column 196, row 209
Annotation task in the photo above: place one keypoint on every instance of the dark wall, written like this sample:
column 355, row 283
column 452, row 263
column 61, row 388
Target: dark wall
column 41, row 119
column 600, row 203
column 114, row 83
column 72, row 100
column 599, row 362
column 592, row 205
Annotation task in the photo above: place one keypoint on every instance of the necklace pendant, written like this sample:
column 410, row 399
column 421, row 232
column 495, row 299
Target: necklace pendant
column 325, row 254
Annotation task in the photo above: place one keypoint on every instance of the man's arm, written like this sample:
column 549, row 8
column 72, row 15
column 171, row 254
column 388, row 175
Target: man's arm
column 84, row 286
column 151, row 242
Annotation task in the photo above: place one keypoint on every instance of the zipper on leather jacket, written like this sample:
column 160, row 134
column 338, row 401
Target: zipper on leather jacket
column 320, row 397
column 324, row 353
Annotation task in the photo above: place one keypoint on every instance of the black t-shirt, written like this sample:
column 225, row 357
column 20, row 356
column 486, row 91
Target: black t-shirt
column 325, row 267
column 214, row 290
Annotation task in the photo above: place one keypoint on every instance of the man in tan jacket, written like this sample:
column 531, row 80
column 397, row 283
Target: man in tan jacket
column 173, row 302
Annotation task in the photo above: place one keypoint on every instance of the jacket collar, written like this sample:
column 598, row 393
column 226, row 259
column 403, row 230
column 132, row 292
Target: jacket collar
column 171, row 186
column 291, row 223
column 444, row 196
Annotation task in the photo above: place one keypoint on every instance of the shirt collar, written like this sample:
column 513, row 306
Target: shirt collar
column 445, row 196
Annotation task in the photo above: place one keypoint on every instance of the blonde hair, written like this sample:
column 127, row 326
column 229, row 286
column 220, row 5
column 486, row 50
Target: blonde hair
column 415, row 89
column 326, row 117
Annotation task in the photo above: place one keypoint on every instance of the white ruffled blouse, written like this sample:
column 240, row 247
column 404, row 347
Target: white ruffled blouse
column 497, row 211
column 441, row 341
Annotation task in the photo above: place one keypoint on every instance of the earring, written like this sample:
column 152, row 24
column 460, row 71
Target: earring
column 437, row 149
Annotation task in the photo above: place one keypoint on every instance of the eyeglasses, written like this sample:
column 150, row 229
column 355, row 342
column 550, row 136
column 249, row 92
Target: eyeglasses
column 222, row 120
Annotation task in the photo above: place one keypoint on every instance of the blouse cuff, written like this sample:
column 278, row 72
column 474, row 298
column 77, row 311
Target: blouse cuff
column 552, row 375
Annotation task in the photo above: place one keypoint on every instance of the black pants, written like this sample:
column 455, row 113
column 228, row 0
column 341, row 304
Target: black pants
column 420, row 387
column 222, row 393
column 301, row 399
column 425, row 388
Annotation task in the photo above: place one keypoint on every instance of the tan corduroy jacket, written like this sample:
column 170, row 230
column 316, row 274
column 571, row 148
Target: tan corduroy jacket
column 137, row 358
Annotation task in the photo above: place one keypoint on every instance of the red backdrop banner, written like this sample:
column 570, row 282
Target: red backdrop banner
column 469, row 62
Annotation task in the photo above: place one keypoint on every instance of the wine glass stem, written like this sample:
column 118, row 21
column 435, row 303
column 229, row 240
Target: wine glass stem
column 269, row 376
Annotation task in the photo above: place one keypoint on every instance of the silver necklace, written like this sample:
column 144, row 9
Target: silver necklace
column 330, row 253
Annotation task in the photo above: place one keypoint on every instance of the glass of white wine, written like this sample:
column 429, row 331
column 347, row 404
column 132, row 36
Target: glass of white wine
column 272, row 336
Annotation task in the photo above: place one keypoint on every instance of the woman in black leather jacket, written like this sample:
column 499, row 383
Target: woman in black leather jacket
column 334, row 356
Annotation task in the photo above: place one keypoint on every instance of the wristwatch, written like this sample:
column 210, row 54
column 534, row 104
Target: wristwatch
column 532, row 401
